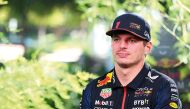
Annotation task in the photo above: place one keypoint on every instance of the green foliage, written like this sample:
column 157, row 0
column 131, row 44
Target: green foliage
column 4, row 15
column 46, row 13
column 97, row 9
column 40, row 85
column 186, row 97
column 3, row 39
column 3, row 2
column 56, row 17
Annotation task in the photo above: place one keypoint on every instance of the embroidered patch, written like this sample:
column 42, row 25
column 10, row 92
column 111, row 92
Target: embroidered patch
column 151, row 78
column 105, row 93
column 173, row 105
column 135, row 26
column 117, row 24
column 105, row 81
column 143, row 92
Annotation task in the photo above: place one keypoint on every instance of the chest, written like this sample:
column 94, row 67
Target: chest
column 123, row 98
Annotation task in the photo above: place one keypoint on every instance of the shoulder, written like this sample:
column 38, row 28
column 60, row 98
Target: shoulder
column 93, row 86
column 167, row 92
column 100, row 81
column 161, row 78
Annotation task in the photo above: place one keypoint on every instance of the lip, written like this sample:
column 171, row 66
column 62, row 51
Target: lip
column 122, row 55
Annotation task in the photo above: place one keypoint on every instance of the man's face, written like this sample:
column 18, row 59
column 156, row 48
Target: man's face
column 128, row 49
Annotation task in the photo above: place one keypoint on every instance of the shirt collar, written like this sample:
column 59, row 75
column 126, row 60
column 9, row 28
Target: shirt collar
column 134, row 84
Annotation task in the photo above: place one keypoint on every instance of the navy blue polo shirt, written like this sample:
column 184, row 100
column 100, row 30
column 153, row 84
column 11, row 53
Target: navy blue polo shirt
column 150, row 89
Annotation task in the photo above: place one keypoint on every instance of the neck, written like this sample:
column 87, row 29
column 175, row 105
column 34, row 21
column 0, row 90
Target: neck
column 127, row 74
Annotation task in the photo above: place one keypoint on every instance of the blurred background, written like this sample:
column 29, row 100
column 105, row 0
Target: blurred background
column 50, row 49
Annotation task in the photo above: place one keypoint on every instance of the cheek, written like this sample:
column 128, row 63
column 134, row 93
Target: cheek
column 138, row 50
column 113, row 51
column 142, row 51
column 114, row 47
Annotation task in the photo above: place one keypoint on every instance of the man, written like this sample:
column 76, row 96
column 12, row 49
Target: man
column 131, row 84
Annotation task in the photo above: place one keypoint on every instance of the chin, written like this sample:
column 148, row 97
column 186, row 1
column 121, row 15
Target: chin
column 124, row 65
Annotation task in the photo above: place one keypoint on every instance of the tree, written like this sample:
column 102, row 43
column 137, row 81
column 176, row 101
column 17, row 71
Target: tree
column 3, row 2
column 42, row 14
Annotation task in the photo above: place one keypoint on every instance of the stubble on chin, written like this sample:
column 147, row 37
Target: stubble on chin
column 124, row 65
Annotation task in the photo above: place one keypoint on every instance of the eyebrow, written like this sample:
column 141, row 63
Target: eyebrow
column 129, row 35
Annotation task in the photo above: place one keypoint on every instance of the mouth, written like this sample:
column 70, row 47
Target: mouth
column 122, row 55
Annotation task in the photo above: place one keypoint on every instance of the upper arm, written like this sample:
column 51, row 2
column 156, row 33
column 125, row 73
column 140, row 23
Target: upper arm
column 86, row 98
column 168, row 97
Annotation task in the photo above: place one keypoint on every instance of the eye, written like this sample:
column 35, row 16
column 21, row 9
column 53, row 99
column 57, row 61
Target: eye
column 132, row 40
column 115, row 39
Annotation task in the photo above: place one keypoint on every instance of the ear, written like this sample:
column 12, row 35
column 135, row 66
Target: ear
column 148, row 48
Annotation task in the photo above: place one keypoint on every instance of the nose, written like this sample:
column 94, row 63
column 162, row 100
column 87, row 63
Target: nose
column 123, row 44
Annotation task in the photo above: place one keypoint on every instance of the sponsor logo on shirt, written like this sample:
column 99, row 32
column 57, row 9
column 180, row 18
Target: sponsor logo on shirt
column 105, row 81
column 174, row 90
column 173, row 85
column 174, row 97
column 103, row 103
column 105, row 93
column 173, row 105
column 141, row 102
column 143, row 92
column 151, row 77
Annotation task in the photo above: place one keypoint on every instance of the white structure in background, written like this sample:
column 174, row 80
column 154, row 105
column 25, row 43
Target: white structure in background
column 13, row 25
column 101, row 42
column 120, row 12
column 11, row 51
column 102, row 45
column 63, row 55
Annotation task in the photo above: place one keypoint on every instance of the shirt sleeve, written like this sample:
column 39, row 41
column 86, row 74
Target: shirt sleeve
column 168, row 97
column 86, row 98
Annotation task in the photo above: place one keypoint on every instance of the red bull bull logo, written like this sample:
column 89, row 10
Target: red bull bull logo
column 105, row 81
